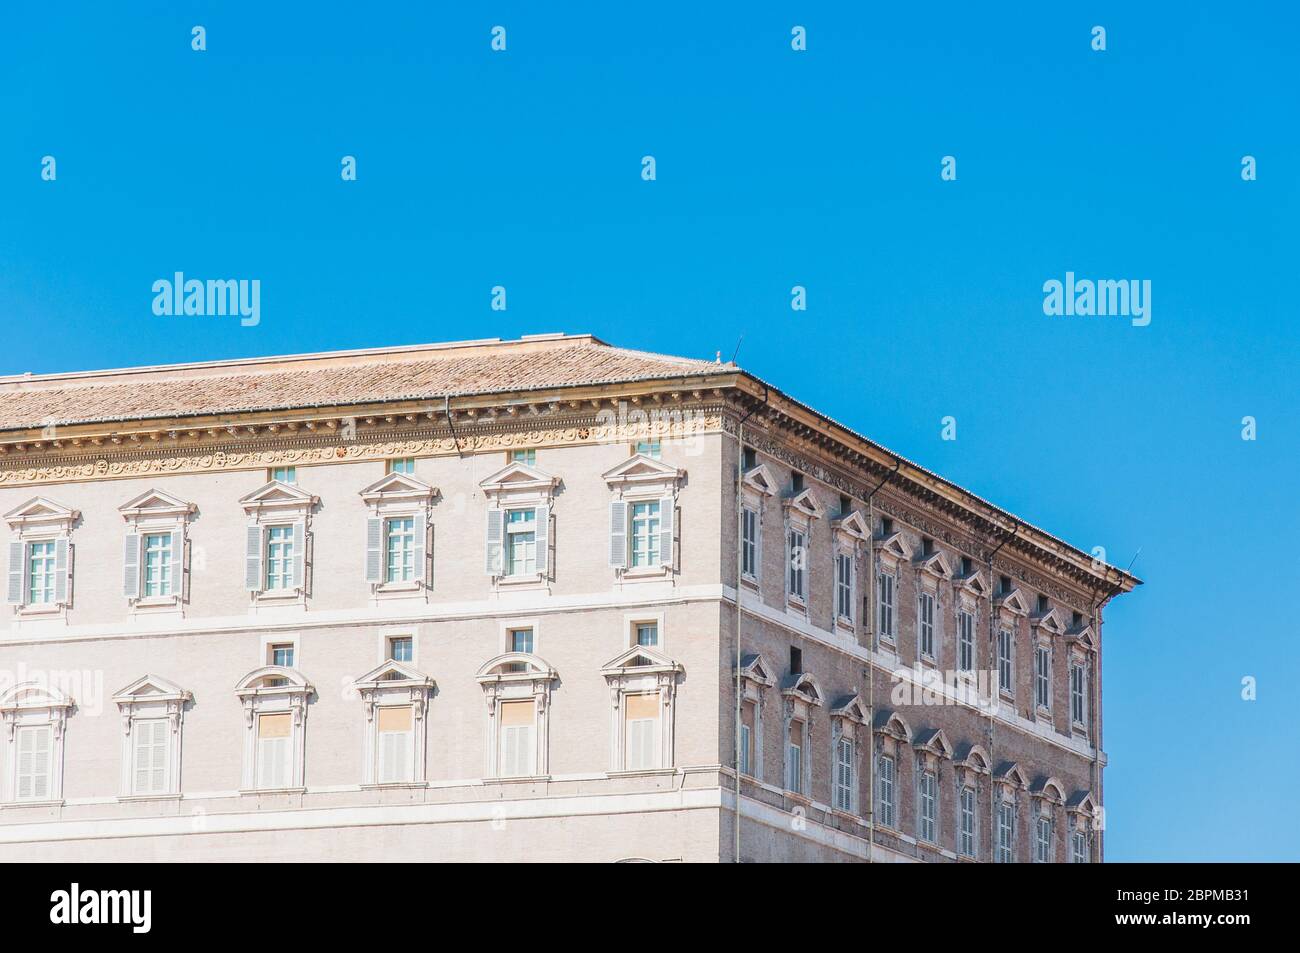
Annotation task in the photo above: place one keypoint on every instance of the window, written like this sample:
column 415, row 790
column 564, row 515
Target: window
column 521, row 640
column 149, row 764
column 967, row 566
column 1005, row 683
column 645, row 534
column 965, row 641
column 274, row 749
column 283, row 474
column 34, row 763
column 396, row 744
column 526, row 457
column 796, row 483
column 796, row 660
column 518, row 738
column 1004, row 585
column 1043, row 840
column 1079, row 847
column 885, row 791
column 844, row 774
column 929, row 806
column 641, row 720
column 521, row 542
column 400, row 549
column 794, row 758
column 886, row 602
column 157, row 565
column 1006, row 831
column 749, row 542
column 797, row 559
column 647, row 634
column 402, row 465
column 279, row 558
column 281, row 654
column 1042, row 676
column 649, row 448
column 967, row 844
column 747, row 710
column 40, row 573
column 926, row 613
column 844, row 586
column 886, row 526
column 1078, row 694
column 401, row 648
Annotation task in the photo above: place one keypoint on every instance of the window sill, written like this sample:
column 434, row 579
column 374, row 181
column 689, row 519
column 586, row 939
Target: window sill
column 642, row 573
column 524, row 579
column 55, row 802
column 259, row 792
column 641, row 773
column 395, row 786
column 519, row 779
column 41, row 611
column 128, row 798
column 750, row 581
column 403, row 588
column 802, row 800
column 844, row 622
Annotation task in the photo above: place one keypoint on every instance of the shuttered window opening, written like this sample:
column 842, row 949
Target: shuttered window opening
column 150, row 763
column 396, row 745
column 518, row 738
column 34, row 763
column 641, row 713
column 274, row 750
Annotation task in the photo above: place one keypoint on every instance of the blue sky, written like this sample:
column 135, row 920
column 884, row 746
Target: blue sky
column 775, row 168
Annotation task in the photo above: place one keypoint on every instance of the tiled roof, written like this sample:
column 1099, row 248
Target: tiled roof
column 330, row 379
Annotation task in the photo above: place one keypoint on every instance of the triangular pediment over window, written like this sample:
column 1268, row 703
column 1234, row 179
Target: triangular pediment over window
column 1082, row 802
column 1012, row 601
column 517, row 477
column 805, row 504
column 151, row 688
column 155, row 502
column 1082, row 636
column 759, row 479
column 755, row 668
column 393, row 674
column 935, row 741
column 278, row 496
column 936, row 564
column 973, row 583
column 1011, row 773
column 850, row 707
column 893, row 545
column 640, row 470
column 640, row 659
column 398, row 486
column 852, row 525
column 804, row 687
column 40, row 510
column 1048, row 621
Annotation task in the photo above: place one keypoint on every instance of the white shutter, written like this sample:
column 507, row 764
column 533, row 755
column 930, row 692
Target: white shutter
column 641, row 744
column 417, row 556
column 17, row 567
column 253, row 559
column 131, row 566
column 395, row 756
column 518, row 748
column 178, row 562
column 34, row 762
column 300, row 555
column 542, row 536
column 496, row 530
column 374, row 550
column 618, row 534
column 150, row 756
column 61, row 571
column 667, row 512
column 273, row 762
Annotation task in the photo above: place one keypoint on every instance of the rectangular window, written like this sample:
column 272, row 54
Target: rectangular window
column 526, row 457
column 1043, row 841
column 521, row 542
column 518, row 740
column 396, row 741
column 279, row 558
column 645, row 534
column 929, row 806
column 641, row 733
column 401, row 649
column 1078, row 696
column 283, row 474
column 794, row 758
column 844, row 775
column 926, row 614
column 797, row 559
column 649, row 448
column 521, row 640
column 1006, row 831
column 647, row 634
column 400, row 547
column 885, row 791
column 150, row 756
column 844, row 586
column 274, row 749
column 402, row 465
column 282, row 655
column 968, row 822
column 1042, row 676
column 885, row 599
column 966, row 641
column 34, row 763
column 1005, row 684
column 40, row 573
column 747, row 738
column 1079, row 847
column 749, row 542
column 158, row 564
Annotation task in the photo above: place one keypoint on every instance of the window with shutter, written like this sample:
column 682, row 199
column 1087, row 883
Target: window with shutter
column 150, row 737
column 274, row 749
column 495, row 542
column 396, row 745
column 642, row 723
column 33, row 780
column 518, row 739
column 17, row 570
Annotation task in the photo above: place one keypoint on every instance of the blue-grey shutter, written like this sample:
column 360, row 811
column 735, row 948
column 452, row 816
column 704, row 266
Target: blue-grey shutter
column 178, row 561
column 14, row 594
column 543, row 538
column 131, row 566
column 418, row 557
column 618, row 534
column 253, row 559
column 667, row 512
column 496, row 529
column 374, row 547
column 300, row 555
column 61, row 571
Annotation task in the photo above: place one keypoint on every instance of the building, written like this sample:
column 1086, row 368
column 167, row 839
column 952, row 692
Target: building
column 476, row 601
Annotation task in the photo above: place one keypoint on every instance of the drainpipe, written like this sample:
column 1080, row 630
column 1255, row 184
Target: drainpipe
column 994, row 702
column 740, row 535
column 1094, row 684
column 869, row 612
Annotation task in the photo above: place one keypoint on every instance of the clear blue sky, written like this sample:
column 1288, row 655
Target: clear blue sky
column 775, row 168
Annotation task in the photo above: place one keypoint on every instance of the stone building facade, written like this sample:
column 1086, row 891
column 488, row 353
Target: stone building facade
column 477, row 601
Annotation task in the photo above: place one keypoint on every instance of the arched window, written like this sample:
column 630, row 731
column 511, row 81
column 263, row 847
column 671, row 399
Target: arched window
column 275, row 716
